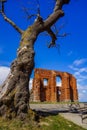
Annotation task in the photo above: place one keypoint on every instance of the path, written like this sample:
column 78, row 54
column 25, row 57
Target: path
column 62, row 109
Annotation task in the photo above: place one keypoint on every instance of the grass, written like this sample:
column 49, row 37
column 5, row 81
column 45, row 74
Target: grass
column 46, row 123
column 45, row 102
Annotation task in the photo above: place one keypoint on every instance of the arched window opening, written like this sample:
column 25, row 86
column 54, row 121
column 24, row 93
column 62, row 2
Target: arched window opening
column 45, row 82
column 58, row 81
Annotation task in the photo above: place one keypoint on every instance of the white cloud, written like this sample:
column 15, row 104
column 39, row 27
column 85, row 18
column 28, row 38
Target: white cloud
column 82, row 92
column 81, row 75
column 84, row 69
column 82, row 97
column 81, row 87
column 79, row 72
column 79, row 62
column 30, row 83
column 73, row 68
column 4, row 71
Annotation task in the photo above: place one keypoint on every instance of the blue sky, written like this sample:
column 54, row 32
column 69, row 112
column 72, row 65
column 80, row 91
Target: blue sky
column 69, row 57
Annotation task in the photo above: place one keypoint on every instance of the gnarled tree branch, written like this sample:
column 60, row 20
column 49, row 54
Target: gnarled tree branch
column 60, row 3
column 53, row 36
column 53, row 18
column 57, row 13
column 11, row 23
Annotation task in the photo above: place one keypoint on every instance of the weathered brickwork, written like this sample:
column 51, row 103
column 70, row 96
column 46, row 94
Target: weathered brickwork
column 49, row 91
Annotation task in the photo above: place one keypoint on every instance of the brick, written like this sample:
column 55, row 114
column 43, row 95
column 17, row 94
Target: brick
column 50, row 92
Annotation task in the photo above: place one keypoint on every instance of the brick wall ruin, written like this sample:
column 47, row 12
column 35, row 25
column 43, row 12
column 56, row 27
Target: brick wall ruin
column 45, row 87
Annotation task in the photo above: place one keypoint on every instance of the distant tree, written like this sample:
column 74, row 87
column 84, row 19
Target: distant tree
column 14, row 96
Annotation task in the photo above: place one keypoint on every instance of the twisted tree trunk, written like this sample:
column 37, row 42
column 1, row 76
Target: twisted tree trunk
column 14, row 93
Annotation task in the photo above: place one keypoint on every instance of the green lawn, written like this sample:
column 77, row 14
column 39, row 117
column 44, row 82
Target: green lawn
column 46, row 123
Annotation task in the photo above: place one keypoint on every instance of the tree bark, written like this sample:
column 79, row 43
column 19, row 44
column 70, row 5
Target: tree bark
column 14, row 96
column 14, row 93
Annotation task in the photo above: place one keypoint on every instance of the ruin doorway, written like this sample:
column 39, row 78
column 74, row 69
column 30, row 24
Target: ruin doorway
column 58, row 88
column 43, row 89
column 71, row 94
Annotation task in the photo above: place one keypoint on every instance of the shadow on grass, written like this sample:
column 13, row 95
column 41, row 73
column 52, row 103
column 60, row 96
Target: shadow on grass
column 46, row 112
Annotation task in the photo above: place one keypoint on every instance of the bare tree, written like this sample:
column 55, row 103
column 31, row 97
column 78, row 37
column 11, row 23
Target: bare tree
column 14, row 95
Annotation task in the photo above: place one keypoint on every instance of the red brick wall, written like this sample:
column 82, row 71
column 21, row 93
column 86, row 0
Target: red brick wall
column 50, row 92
